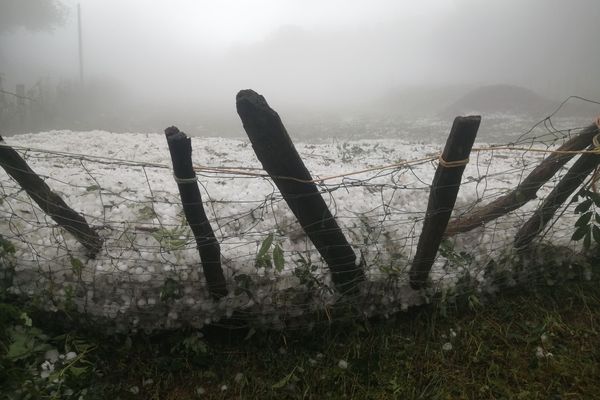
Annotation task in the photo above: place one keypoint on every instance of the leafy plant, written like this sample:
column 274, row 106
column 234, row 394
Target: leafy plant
column 171, row 290
column 7, row 265
column 172, row 239
column 305, row 272
column 587, row 226
column 456, row 258
column 267, row 260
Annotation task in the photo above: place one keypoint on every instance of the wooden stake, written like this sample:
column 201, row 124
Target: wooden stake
column 51, row 203
column 442, row 196
column 180, row 147
column 279, row 158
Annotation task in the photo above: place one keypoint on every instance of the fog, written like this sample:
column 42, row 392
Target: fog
column 148, row 63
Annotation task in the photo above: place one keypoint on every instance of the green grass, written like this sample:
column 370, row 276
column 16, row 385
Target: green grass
column 539, row 344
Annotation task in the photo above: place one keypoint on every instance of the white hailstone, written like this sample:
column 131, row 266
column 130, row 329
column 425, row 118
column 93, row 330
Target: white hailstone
column 238, row 377
column 146, row 382
column 172, row 315
column 190, row 301
column 452, row 333
column 134, row 390
column 70, row 355
column 51, row 355
column 224, row 388
column 200, row 391
column 447, row 346
column 141, row 302
column 151, row 301
column 123, row 267
column 47, row 366
column 539, row 352
column 544, row 338
column 343, row 364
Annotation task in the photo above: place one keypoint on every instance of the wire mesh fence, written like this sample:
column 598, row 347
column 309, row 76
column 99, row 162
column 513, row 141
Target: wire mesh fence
column 148, row 274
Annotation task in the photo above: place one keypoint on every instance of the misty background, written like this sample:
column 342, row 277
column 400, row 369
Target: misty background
column 352, row 68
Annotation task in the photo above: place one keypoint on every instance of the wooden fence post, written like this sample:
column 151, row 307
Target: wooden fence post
column 51, row 203
column 279, row 158
column 527, row 189
column 180, row 147
column 442, row 196
column 561, row 192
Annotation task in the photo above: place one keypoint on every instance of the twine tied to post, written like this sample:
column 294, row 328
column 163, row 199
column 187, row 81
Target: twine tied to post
column 452, row 164
column 184, row 181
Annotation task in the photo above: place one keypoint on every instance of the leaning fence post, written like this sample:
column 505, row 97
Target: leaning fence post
column 561, row 192
column 527, row 189
column 51, row 203
column 180, row 147
column 279, row 158
column 442, row 195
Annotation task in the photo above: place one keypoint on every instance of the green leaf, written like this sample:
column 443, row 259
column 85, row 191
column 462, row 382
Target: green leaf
column 579, row 233
column 21, row 347
column 266, row 245
column 575, row 199
column 587, row 240
column 77, row 371
column 278, row 258
column 596, row 198
column 596, row 233
column 584, row 219
column 583, row 206
column 283, row 381
column 76, row 264
column 92, row 188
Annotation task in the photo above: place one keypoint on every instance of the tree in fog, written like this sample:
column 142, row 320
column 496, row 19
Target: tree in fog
column 33, row 15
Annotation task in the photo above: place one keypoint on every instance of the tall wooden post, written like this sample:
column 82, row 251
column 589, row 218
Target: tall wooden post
column 442, row 196
column 180, row 147
column 279, row 158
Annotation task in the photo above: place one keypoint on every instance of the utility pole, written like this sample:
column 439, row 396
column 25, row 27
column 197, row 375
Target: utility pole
column 80, row 45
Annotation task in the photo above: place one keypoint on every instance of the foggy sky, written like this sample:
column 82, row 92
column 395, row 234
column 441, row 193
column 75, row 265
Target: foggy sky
column 314, row 52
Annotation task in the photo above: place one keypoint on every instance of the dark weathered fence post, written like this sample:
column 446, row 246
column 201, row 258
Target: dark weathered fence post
column 561, row 192
column 180, row 147
column 49, row 202
column 442, row 195
column 279, row 158
column 527, row 189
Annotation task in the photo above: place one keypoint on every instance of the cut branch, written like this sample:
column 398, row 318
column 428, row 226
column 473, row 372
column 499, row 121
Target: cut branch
column 561, row 192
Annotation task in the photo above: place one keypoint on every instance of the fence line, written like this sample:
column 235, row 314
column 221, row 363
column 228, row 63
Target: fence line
column 146, row 276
